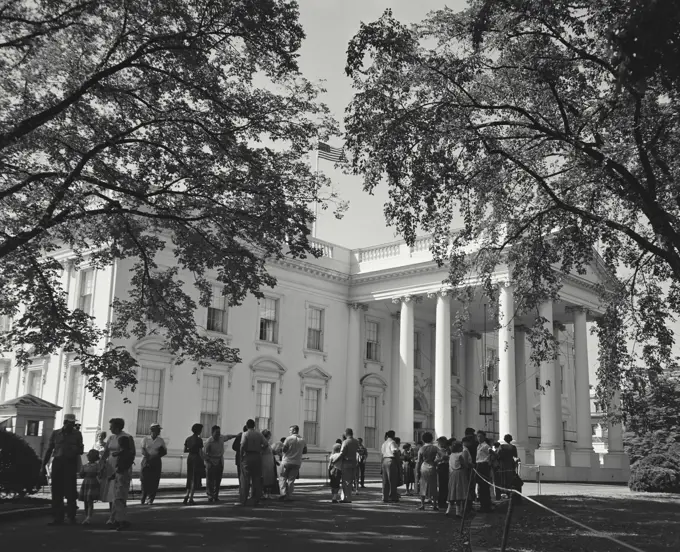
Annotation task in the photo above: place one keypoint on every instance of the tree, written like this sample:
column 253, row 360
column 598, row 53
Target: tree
column 128, row 127
column 550, row 128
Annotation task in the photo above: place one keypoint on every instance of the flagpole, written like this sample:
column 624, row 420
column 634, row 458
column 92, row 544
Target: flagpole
column 316, row 186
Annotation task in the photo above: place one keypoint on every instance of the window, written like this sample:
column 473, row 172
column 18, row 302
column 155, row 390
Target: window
column 538, row 383
column 33, row 428
column 454, row 363
column 562, row 378
column 33, row 382
column 315, row 329
column 370, row 421
column 453, row 420
column 149, row 398
column 372, row 342
column 76, row 392
column 416, row 351
column 311, row 433
column 265, row 406
column 211, row 394
column 269, row 316
column 5, row 323
column 491, row 364
column 86, row 288
column 217, row 312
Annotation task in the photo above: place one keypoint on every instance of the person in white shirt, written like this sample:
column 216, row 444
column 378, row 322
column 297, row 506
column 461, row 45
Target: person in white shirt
column 390, row 468
column 153, row 449
column 214, row 461
column 293, row 448
column 484, row 454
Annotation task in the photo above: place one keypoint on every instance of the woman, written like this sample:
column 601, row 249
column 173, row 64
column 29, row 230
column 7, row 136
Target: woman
column 426, row 471
column 409, row 462
column 400, row 473
column 115, row 491
column 506, row 462
column 270, row 484
column 443, row 471
column 460, row 464
column 194, row 447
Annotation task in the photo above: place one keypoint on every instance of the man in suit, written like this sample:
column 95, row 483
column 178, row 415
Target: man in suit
column 65, row 448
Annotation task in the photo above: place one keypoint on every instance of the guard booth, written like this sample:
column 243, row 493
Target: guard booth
column 30, row 417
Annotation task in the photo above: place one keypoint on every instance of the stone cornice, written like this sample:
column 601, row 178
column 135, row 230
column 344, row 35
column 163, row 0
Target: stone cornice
column 313, row 270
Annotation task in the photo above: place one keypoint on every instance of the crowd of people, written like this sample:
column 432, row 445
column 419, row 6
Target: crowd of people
column 448, row 473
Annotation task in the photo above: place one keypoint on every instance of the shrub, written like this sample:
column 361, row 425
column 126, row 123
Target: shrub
column 19, row 466
column 658, row 473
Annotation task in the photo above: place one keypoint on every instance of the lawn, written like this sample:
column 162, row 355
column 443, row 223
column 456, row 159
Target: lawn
column 7, row 505
column 650, row 523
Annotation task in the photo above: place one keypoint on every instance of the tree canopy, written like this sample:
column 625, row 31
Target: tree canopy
column 550, row 129
column 128, row 127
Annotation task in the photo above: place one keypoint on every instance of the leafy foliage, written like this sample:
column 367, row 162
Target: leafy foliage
column 656, row 473
column 551, row 129
column 19, row 466
column 130, row 128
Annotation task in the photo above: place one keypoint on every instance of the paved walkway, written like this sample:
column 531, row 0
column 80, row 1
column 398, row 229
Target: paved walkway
column 309, row 523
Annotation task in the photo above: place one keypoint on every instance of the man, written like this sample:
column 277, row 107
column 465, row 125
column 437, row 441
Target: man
column 361, row 464
column 65, row 448
column 252, row 445
column 390, row 468
column 293, row 448
column 348, row 453
column 153, row 449
column 484, row 458
column 214, row 461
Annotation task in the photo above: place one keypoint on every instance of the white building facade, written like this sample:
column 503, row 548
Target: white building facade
column 357, row 338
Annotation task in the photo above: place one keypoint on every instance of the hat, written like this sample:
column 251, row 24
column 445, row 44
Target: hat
column 70, row 418
column 155, row 426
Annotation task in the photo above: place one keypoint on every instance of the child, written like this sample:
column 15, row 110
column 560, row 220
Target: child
column 89, row 489
column 335, row 473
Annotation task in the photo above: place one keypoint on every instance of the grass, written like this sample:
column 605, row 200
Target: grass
column 650, row 523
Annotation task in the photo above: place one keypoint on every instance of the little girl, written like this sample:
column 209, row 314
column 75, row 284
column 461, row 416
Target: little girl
column 335, row 473
column 89, row 489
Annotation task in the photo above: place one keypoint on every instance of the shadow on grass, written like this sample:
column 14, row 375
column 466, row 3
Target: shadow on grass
column 648, row 523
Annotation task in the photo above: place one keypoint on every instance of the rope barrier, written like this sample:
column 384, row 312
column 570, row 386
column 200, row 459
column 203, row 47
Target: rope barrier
column 578, row 523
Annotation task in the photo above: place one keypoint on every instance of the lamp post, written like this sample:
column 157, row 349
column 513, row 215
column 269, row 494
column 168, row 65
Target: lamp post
column 485, row 399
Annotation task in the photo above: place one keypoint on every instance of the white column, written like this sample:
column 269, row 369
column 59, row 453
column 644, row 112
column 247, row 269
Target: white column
column 550, row 452
column 460, row 361
column 522, row 435
column 583, row 455
column 394, row 378
column 507, row 405
column 472, row 378
column 442, row 367
column 353, row 372
column 404, row 427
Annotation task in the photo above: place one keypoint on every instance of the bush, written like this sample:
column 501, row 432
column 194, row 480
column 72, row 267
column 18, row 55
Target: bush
column 656, row 473
column 19, row 467
column 653, row 442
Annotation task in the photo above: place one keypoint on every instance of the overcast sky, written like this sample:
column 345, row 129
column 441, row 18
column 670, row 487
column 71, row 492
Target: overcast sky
column 329, row 25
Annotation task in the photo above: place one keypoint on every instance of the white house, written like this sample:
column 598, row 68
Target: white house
column 357, row 338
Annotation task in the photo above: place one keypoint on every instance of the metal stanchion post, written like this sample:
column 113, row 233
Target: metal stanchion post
column 538, row 478
column 506, row 527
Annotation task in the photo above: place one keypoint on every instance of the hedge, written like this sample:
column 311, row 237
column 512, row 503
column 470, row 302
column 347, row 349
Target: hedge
column 19, row 467
column 658, row 473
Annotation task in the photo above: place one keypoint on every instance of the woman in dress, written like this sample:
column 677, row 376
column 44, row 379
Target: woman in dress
column 409, row 463
column 194, row 446
column 115, row 495
column 426, row 471
column 460, row 464
column 90, row 488
column 443, row 472
column 507, row 462
column 270, row 483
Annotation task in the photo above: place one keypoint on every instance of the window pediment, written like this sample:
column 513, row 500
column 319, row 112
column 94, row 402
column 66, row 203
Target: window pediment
column 314, row 375
column 267, row 369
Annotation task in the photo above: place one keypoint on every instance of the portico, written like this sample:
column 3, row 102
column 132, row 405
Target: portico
column 545, row 408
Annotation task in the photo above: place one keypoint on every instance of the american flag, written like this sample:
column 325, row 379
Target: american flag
column 337, row 155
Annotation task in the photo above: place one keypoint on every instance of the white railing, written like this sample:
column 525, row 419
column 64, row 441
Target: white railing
column 326, row 248
column 378, row 253
column 422, row 244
